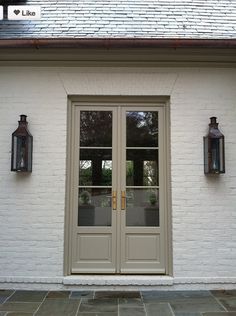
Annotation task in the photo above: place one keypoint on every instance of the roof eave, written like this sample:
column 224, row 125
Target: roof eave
column 109, row 43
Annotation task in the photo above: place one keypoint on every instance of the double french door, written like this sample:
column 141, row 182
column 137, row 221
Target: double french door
column 118, row 222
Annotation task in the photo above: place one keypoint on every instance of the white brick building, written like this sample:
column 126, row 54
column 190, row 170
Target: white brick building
column 170, row 58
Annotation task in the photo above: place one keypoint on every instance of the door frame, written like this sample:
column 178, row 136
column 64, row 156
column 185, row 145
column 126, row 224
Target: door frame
column 73, row 102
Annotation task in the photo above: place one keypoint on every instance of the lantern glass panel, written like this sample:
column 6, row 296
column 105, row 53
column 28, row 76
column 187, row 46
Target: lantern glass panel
column 14, row 151
column 21, row 153
column 214, row 155
column 222, row 154
column 30, row 150
column 206, row 155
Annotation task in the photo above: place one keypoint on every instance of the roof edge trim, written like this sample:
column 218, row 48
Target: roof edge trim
column 109, row 43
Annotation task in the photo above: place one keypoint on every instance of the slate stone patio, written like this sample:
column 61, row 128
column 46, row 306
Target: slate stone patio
column 113, row 303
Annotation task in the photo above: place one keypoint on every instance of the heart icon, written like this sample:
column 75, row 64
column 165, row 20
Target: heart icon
column 16, row 12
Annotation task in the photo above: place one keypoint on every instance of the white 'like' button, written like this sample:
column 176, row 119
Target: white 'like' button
column 24, row 12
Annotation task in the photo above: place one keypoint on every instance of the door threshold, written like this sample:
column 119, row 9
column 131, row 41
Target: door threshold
column 118, row 280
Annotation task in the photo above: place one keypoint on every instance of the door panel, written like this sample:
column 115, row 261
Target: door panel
column 94, row 233
column 118, row 218
column 142, row 235
column 150, row 245
column 94, row 247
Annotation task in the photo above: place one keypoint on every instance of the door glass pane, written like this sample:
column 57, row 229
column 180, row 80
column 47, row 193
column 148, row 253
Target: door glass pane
column 95, row 128
column 95, row 167
column 142, row 207
column 94, row 207
column 142, row 129
column 141, row 167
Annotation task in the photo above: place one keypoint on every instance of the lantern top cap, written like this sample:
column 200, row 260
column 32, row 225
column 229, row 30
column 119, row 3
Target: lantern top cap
column 214, row 132
column 213, row 123
column 23, row 118
column 23, row 121
column 213, row 120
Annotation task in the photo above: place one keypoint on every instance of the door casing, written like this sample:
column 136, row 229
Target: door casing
column 144, row 101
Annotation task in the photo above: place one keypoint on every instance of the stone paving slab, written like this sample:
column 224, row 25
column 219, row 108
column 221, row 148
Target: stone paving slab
column 188, row 314
column 131, row 310
column 99, row 305
column 130, row 302
column 158, row 309
column 193, row 305
column 19, row 314
column 229, row 303
column 19, row 307
column 163, row 296
column 117, row 294
column 4, row 294
column 224, row 293
column 81, row 294
column 114, row 303
column 219, row 314
column 97, row 314
column 27, row 296
column 58, row 307
column 227, row 298
column 58, row 294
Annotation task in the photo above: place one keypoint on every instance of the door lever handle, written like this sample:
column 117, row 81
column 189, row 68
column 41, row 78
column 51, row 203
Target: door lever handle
column 123, row 200
column 114, row 200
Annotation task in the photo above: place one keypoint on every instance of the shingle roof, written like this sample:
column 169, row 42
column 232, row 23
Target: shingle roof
column 197, row 19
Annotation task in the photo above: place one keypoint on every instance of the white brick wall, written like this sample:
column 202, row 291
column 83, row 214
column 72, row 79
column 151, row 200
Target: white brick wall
column 204, row 208
column 32, row 206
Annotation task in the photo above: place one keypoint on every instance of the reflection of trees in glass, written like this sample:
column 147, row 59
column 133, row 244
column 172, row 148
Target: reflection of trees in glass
column 85, row 172
column 96, row 128
column 142, row 167
column 94, row 207
column 142, row 129
column 129, row 173
column 85, row 198
column 141, row 197
column 86, row 177
column 95, row 196
column 149, row 172
column 152, row 198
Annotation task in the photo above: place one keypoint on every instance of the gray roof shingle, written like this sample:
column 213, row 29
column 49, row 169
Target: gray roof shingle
column 192, row 19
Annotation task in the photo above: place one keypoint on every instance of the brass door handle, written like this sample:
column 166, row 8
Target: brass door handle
column 114, row 200
column 123, row 200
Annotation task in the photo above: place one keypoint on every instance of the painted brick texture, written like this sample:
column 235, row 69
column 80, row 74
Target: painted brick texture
column 203, row 207
column 32, row 207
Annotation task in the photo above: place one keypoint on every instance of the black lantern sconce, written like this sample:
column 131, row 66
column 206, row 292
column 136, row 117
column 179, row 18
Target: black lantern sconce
column 22, row 147
column 214, row 150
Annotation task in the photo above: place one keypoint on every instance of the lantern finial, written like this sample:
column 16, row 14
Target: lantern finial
column 213, row 120
column 23, row 118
